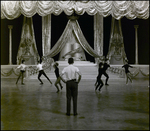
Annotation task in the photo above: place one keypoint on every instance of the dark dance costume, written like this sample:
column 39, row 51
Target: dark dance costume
column 21, row 74
column 104, row 72
column 126, row 67
column 57, row 72
column 99, row 80
column 128, row 74
column 58, row 78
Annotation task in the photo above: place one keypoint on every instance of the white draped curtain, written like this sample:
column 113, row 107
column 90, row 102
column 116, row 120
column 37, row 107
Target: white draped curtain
column 118, row 9
column 46, row 34
column 98, row 35
column 72, row 26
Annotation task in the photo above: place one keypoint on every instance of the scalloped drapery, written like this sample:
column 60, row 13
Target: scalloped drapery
column 118, row 9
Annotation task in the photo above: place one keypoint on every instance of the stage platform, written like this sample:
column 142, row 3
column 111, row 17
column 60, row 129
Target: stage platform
column 88, row 69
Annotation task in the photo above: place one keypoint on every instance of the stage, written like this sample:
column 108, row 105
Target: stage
column 38, row 107
column 88, row 69
column 50, row 31
column 35, row 107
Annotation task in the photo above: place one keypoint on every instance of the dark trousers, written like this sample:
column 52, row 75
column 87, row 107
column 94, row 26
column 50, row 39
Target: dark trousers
column 21, row 74
column 107, row 77
column 71, row 92
column 100, row 83
column 41, row 72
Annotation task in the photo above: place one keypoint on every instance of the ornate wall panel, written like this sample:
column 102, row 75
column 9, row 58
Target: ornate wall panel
column 27, row 49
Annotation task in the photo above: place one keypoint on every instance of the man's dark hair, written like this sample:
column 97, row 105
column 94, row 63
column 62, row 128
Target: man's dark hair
column 39, row 61
column 100, row 64
column 71, row 60
column 22, row 61
column 56, row 64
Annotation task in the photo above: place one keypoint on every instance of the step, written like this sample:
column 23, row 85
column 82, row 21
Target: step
column 88, row 70
column 77, row 63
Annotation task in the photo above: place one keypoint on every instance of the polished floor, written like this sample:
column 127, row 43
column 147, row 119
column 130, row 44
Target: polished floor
column 35, row 107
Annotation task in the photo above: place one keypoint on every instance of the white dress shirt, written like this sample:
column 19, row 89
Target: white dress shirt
column 71, row 72
column 22, row 67
column 39, row 67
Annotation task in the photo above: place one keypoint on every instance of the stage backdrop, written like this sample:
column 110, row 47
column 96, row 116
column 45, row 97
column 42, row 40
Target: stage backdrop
column 58, row 25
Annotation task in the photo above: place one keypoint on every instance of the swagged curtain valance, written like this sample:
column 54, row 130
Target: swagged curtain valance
column 118, row 9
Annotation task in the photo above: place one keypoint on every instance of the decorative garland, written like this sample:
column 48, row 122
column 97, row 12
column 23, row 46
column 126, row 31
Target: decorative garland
column 48, row 63
column 134, row 73
column 6, row 74
column 144, row 73
column 31, row 69
column 14, row 71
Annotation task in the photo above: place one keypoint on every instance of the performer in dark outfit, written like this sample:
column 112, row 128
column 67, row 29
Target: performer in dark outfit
column 22, row 67
column 99, row 80
column 41, row 71
column 106, row 65
column 71, row 85
column 127, row 72
column 58, row 81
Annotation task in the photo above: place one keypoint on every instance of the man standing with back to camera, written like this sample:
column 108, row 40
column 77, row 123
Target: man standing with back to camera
column 71, row 85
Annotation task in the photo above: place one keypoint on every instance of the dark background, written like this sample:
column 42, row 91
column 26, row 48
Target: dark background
column 86, row 23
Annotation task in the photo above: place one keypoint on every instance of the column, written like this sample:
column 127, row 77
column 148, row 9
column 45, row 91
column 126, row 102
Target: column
column 46, row 34
column 10, row 44
column 136, row 44
column 98, row 34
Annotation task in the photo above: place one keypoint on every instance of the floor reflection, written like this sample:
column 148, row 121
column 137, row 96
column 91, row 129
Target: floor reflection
column 39, row 107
